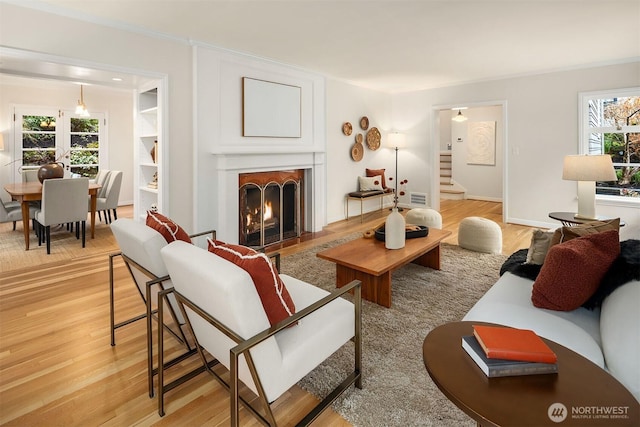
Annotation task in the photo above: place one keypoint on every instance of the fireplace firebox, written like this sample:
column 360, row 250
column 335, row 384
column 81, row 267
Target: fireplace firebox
column 270, row 206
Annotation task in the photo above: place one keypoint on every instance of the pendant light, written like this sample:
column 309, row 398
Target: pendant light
column 459, row 117
column 81, row 108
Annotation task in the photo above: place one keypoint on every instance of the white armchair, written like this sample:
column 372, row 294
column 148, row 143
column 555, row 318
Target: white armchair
column 225, row 314
column 140, row 247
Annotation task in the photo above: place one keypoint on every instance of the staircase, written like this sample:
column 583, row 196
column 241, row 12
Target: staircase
column 449, row 189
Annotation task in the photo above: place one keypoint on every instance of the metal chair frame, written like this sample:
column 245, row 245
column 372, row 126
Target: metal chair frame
column 150, row 313
column 243, row 347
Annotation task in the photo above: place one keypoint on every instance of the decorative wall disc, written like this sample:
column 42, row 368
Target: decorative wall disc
column 347, row 128
column 373, row 139
column 359, row 138
column 357, row 151
column 364, row 122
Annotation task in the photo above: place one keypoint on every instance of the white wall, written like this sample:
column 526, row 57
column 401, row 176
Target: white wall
column 541, row 128
column 118, row 105
column 348, row 103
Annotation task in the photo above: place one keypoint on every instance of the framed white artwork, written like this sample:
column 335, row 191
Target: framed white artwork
column 481, row 147
column 270, row 109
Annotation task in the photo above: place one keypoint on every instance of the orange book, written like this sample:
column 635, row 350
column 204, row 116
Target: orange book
column 501, row 342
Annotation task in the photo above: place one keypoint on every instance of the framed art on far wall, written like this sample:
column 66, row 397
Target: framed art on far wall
column 270, row 109
column 481, row 148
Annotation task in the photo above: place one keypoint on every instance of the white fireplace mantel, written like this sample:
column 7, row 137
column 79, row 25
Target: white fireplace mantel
column 230, row 166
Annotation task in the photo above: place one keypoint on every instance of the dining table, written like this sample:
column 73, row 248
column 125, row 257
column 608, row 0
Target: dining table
column 26, row 192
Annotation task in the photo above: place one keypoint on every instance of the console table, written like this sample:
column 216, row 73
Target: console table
column 576, row 392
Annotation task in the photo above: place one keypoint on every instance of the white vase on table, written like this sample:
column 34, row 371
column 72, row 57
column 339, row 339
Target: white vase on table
column 394, row 230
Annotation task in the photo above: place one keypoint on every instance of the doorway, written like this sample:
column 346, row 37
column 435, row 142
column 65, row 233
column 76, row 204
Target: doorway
column 485, row 126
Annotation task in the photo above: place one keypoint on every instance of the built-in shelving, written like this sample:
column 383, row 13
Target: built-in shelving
column 147, row 154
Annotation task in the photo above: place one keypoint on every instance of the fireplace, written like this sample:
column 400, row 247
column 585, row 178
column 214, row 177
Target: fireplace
column 271, row 206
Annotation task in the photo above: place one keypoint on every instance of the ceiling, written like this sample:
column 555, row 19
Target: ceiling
column 391, row 46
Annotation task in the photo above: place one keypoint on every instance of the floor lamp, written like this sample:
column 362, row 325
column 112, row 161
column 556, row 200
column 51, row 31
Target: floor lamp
column 396, row 140
column 587, row 170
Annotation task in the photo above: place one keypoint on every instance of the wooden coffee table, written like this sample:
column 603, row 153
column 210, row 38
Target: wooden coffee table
column 369, row 261
column 581, row 391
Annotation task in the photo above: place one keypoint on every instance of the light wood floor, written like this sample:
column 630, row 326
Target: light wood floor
column 58, row 368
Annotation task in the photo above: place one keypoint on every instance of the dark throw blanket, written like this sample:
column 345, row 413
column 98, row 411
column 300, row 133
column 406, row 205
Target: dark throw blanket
column 624, row 269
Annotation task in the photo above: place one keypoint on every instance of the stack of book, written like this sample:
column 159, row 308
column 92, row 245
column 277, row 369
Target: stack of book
column 502, row 351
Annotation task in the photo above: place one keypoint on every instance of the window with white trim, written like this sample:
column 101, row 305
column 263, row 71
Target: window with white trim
column 610, row 124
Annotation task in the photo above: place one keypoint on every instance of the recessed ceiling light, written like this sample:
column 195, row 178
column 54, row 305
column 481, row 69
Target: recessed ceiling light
column 116, row 79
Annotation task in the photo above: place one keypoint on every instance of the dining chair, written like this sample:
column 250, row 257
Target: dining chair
column 12, row 212
column 101, row 179
column 64, row 200
column 29, row 175
column 107, row 201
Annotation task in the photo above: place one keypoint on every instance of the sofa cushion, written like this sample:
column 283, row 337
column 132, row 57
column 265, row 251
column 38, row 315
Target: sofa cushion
column 377, row 172
column 275, row 298
column 573, row 270
column 620, row 332
column 169, row 229
column 540, row 242
column 508, row 303
column 370, row 183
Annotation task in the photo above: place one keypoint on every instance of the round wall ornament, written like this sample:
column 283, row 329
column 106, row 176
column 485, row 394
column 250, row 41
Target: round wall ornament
column 347, row 128
column 364, row 122
column 357, row 151
column 373, row 138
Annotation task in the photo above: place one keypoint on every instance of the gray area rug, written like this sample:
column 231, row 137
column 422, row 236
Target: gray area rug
column 397, row 390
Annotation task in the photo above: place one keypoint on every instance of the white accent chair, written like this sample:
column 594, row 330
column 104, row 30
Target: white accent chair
column 140, row 247
column 63, row 201
column 107, row 200
column 226, row 317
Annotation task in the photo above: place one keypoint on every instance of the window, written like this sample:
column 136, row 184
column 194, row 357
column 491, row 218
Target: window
column 611, row 125
column 45, row 135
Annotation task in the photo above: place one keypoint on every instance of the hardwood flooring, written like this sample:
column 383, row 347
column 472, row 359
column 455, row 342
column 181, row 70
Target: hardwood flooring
column 57, row 366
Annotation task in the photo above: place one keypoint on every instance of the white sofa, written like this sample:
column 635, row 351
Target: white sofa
column 609, row 336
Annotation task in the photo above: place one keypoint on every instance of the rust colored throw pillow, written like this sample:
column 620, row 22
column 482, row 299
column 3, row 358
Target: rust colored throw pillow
column 167, row 227
column 275, row 298
column 375, row 172
column 572, row 271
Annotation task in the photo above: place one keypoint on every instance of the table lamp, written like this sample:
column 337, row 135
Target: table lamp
column 587, row 170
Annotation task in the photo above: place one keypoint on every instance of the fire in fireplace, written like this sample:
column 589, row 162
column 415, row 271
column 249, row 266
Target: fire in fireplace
column 270, row 206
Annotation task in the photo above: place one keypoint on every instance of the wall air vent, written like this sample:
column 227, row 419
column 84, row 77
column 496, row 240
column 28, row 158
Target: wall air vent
column 418, row 199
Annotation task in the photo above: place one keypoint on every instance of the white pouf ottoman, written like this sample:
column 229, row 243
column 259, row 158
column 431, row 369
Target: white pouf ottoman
column 480, row 235
column 426, row 217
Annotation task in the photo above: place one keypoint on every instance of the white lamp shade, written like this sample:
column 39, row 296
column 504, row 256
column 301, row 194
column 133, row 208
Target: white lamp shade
column 459, row 117
column 396, row 140
column 588, row 168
